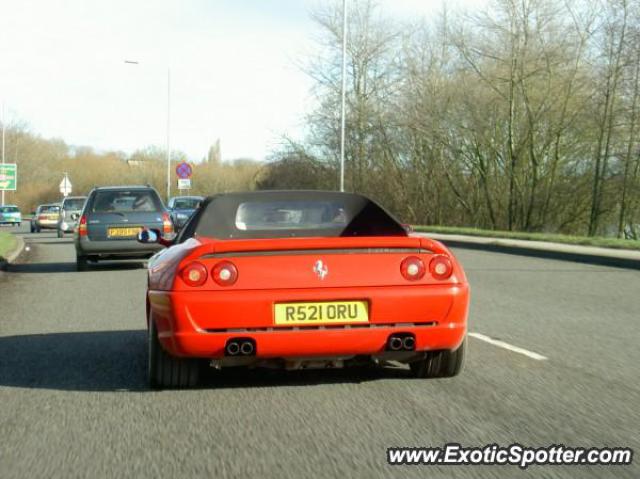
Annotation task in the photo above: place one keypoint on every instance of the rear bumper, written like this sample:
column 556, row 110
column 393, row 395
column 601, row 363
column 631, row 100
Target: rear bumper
column 67, row 226
column 437, row 318
column 47, row 224
column 115, row 248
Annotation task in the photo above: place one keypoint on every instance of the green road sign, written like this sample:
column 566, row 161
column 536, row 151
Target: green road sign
column 8, row 176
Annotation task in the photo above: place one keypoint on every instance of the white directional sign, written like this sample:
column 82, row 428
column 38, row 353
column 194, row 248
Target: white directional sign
column 184, row 184
column 65, row 186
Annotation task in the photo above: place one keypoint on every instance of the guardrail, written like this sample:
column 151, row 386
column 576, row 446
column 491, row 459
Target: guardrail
column 543, row 249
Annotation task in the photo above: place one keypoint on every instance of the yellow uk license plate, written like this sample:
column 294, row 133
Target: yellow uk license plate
column 342, row 312
column 128, row 232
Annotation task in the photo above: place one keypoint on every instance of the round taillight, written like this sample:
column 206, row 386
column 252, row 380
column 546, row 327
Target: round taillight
column 412, row 268
column 440, row 267
column 194, row 274
column 225, row 273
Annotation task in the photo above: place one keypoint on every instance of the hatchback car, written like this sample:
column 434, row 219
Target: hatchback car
column 45, row 217
column 182, row 207
column 111, row 219
column 10, row 215
column 69, row 214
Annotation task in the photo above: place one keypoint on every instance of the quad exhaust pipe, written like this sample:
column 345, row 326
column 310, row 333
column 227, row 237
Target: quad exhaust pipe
column 395, row 343
column 401, row 342
column 240, row 347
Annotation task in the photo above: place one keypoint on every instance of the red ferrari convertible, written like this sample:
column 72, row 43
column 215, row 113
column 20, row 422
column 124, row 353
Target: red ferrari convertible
column 301, row 279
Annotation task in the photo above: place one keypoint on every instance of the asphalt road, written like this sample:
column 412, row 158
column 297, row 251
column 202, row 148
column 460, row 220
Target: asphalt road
column 73, row 401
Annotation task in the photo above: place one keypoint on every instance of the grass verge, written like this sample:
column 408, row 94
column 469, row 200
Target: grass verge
column 599, row 241
column 7, row 243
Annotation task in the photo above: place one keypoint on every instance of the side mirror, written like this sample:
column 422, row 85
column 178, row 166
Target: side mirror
column 148, row 236
column 75, row 216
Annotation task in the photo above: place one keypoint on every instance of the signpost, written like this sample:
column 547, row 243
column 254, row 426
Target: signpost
column 184, row 172
column 65, row 186
column 8, row 176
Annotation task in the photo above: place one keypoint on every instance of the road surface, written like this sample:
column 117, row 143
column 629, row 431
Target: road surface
column 73, row 401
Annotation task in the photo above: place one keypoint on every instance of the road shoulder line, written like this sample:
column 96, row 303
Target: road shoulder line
column 510, row 347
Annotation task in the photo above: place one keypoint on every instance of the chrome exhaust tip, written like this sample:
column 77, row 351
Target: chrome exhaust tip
column 395, row 343
column 247, row 348
column 233, row 348
column 409, row 343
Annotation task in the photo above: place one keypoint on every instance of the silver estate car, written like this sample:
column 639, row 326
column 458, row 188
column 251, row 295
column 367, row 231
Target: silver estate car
column 70, row 210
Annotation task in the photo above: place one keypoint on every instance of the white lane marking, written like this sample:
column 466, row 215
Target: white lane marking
column 502, row 344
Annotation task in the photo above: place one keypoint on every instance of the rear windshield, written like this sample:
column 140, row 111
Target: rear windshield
column 126, row 201
column 9, row 209
column 186, row 203
column 49, row 209
column 291, row 214
column 73, row 204
column 284, row 215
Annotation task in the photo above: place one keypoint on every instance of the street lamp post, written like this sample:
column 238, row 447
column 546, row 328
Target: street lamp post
column 135, row 62
column 344, row 84
column 168, row 134
column 3, row 129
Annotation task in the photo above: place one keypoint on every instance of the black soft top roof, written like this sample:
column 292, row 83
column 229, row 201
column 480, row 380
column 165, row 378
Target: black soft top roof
column 216, row 218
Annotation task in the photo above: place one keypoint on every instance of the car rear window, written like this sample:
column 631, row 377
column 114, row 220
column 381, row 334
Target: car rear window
column 186, row 203
column 282, row 215
column 9, row 209
column 291, row 214
column 126, row 201
column 73, row 204
column 49, row 209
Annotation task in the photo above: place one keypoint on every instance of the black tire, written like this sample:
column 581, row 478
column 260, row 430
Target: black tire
column 81, row 263
column 440, row 364
column 60, row 233
column 33, row 230
column 166, row 371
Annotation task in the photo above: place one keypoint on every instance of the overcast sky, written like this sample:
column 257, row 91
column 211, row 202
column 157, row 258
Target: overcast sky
column 233, row 70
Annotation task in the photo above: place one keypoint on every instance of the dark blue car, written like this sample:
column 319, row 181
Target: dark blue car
column 182, row 207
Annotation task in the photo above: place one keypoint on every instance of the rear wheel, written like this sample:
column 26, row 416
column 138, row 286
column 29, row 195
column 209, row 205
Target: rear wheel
column 166, row 371
column 440, row 364
column 81, row 263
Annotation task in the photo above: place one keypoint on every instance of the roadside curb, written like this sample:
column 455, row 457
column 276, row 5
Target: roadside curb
column 13, row 255
column 542, row 249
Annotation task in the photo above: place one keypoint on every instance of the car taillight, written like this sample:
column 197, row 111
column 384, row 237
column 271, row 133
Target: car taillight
column 225, row 273
column 167, row 225
column 82, row 226
column 194, row 274
column 412, row 268
column 440, row 267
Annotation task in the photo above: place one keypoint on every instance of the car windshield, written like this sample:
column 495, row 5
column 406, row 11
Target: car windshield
column 73, row 204
column 49, row 209
column 122, row 201
column 9, row 209
column 186, row 203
